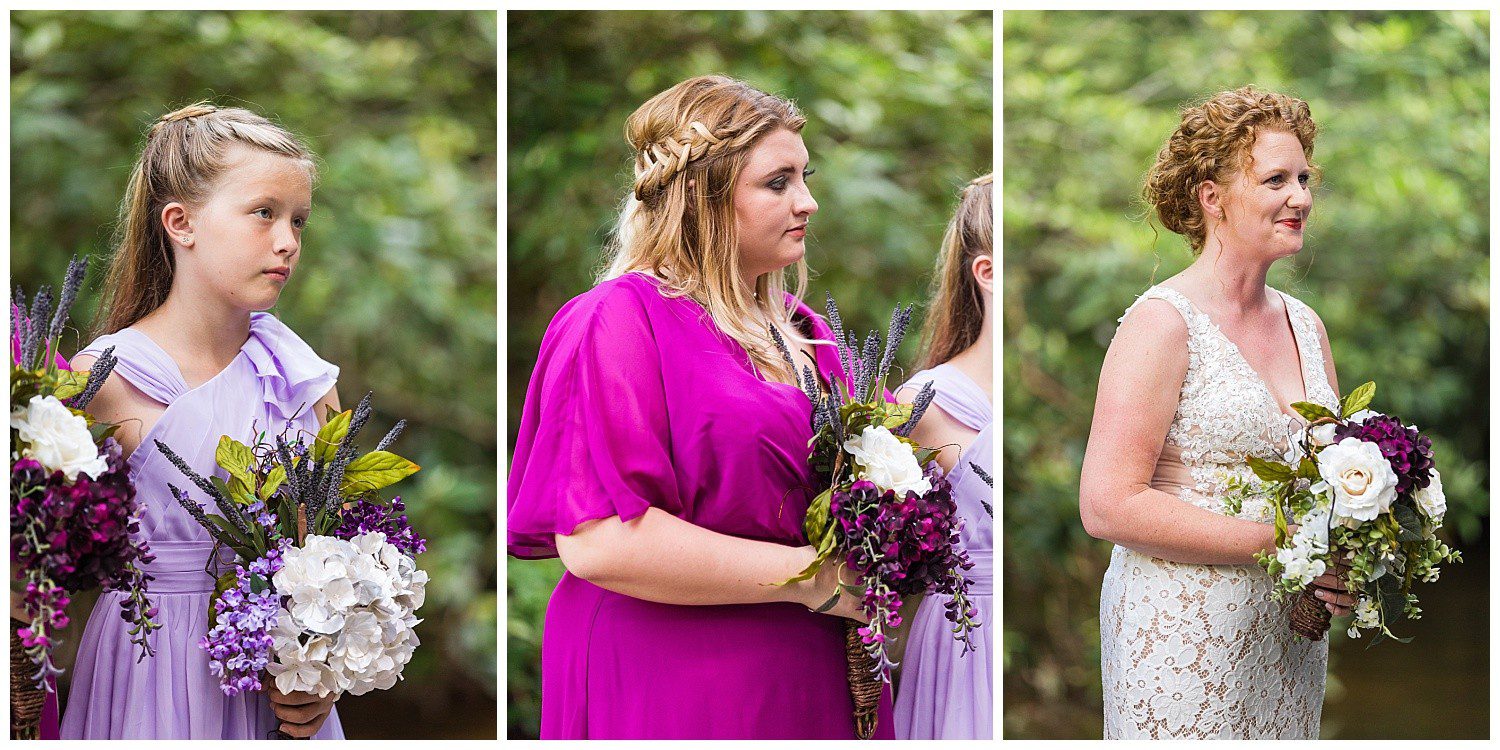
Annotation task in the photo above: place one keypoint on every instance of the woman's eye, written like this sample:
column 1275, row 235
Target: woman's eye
column 1304, row 179
column 778, row 184
column 264, row 213
column 1276, row 180
column 299, row 223
column 806, row 173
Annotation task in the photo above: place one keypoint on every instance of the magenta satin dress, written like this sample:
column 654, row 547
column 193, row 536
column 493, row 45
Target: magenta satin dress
column 172, row 695
column 639, row 401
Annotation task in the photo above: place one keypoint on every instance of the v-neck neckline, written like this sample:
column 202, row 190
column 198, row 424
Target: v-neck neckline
column 186, row 389
column 1286, row 309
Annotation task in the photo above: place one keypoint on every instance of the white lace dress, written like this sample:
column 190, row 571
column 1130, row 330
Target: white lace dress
column 1203, row 651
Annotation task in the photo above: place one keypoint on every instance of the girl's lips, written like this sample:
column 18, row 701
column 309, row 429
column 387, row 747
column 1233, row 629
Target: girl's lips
column 278, row 274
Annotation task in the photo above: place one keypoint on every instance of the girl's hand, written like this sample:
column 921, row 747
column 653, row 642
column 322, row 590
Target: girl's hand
column 816, row 592
column 1331, row 591
column 301, row 714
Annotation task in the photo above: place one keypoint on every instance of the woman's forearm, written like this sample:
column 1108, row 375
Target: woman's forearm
column 662, row 558
column 1155, row 523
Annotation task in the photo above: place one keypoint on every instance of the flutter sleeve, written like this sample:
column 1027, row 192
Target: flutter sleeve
column 594, row 437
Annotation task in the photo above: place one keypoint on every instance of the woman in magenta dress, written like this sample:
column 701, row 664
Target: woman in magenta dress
column 662, row 451
column 944, row 693
column 210, row 233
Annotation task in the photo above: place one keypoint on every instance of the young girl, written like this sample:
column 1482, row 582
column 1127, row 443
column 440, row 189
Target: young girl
column 210, row 233
column 943, row 693
column 662, row 452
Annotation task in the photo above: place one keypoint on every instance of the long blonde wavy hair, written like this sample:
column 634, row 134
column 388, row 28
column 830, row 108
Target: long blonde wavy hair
column 955, row 311
column 183, row 157
column 701, row 131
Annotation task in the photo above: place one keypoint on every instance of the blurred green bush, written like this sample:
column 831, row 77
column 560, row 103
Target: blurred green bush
column 1396, row 264
column 899, row 118
column 398, row 278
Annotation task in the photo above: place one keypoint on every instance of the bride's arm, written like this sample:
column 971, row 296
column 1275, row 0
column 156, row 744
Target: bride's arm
column 1139, row 387
column 662, row 558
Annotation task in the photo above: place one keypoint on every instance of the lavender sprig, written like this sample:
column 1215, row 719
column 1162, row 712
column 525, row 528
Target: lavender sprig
column 226, row 506
column 918, row 408
column 196, row 511
column 866, row 368
column 293, row 474
column 98, row 373
column 32, row 342
column 900, row 319
column 390, row 437
column 71, row 283
column 836, row 323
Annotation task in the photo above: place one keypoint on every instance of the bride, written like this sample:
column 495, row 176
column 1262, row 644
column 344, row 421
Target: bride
column 1200, row 375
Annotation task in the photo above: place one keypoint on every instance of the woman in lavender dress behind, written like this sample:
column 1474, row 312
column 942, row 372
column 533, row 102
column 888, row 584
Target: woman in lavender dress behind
column 211, row 231
column 944, row 693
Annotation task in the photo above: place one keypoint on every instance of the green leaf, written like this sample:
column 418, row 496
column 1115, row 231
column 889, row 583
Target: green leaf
column 809, row 571
column 1359, row 398
column 70, row 384
column 1313, row 412
column 897, row 414
column 274, row 479
column 237, row 459
column 241, row 543
column 1410, row 522
column 374, row 471
column 815, row 524
column 327, row 442
column 1270, row 471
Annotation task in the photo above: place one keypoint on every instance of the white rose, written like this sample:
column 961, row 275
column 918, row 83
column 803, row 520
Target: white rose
column 1362, row 482
column 57, row 438
column 1363, row 414
column 1323, row 434
column 1431, row 499
column 886, row 461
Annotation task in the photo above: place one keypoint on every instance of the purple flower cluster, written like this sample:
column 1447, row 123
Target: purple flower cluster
column 1409, row 452
column 364, row 516
column 902, row 546
column 74, row 536
column 240, row 642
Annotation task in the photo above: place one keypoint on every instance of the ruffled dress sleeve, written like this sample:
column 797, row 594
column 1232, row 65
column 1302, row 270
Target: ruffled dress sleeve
column 595, row 437
column 292, row 377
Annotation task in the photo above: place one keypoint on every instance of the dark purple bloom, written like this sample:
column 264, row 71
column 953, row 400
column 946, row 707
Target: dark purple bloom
column 1409, row 452
column 365, row 516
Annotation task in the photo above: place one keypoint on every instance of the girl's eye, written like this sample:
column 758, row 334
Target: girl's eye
column 264, row 213
column 299, row 223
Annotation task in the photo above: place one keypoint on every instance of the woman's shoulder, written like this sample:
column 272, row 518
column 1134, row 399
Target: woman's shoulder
column 1302, row 313
column 1161, row 313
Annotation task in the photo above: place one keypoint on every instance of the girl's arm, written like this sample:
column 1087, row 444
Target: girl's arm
column 1139, row 387
column 330, row 400
column 662, row 558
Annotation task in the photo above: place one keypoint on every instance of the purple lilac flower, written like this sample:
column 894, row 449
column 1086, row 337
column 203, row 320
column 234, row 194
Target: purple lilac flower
column 902, row 546
column 1409, row 452
column 240, row 644
column 365, row 516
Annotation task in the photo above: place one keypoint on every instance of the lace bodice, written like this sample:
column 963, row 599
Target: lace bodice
column 1226, row 412
column 1203, row 651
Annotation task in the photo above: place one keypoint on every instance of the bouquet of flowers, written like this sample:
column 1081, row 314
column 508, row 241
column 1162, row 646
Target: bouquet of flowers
column 885, row 509
column 325, row 587
column 1365, row 493
column 73, row 509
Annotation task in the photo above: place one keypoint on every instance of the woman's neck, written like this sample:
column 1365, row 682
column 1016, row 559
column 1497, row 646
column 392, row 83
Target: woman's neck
column 977, row 361
column 1235, row 283
column 198, row 326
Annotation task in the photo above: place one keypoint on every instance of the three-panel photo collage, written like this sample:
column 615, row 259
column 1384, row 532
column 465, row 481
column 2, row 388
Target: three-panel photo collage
column 697, row 439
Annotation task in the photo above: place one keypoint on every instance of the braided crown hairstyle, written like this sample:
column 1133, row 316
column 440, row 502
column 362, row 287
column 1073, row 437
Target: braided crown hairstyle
column 678, row 222
column 955, row 312
column 1213, row 141
column 183, row 157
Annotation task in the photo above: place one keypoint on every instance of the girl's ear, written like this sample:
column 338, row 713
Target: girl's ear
column 983, row 268
column 174, row 219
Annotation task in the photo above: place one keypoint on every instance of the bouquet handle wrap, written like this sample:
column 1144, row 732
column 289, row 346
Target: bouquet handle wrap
column 1309, row 618
column 26, row 699
column 864, row 686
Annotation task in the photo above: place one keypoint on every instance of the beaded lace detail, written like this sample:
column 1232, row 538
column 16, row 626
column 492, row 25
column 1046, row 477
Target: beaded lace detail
column 1203, row 651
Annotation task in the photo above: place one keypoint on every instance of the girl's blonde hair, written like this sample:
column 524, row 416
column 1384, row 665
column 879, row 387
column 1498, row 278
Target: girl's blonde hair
column 701, row 131
column 955, row 312
column 183, row 157
column 1213, row 140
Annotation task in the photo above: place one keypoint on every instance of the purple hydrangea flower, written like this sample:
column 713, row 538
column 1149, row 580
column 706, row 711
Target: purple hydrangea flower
column 365, row 516
column 239, row 646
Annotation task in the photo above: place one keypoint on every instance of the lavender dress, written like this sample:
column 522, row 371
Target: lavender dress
column 275, row 378
column 941, row 694
column 639, row 401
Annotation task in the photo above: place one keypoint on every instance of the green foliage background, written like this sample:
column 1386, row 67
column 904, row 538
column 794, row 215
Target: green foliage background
column 1396, row 264
column 397, row 281
column 899, row 108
